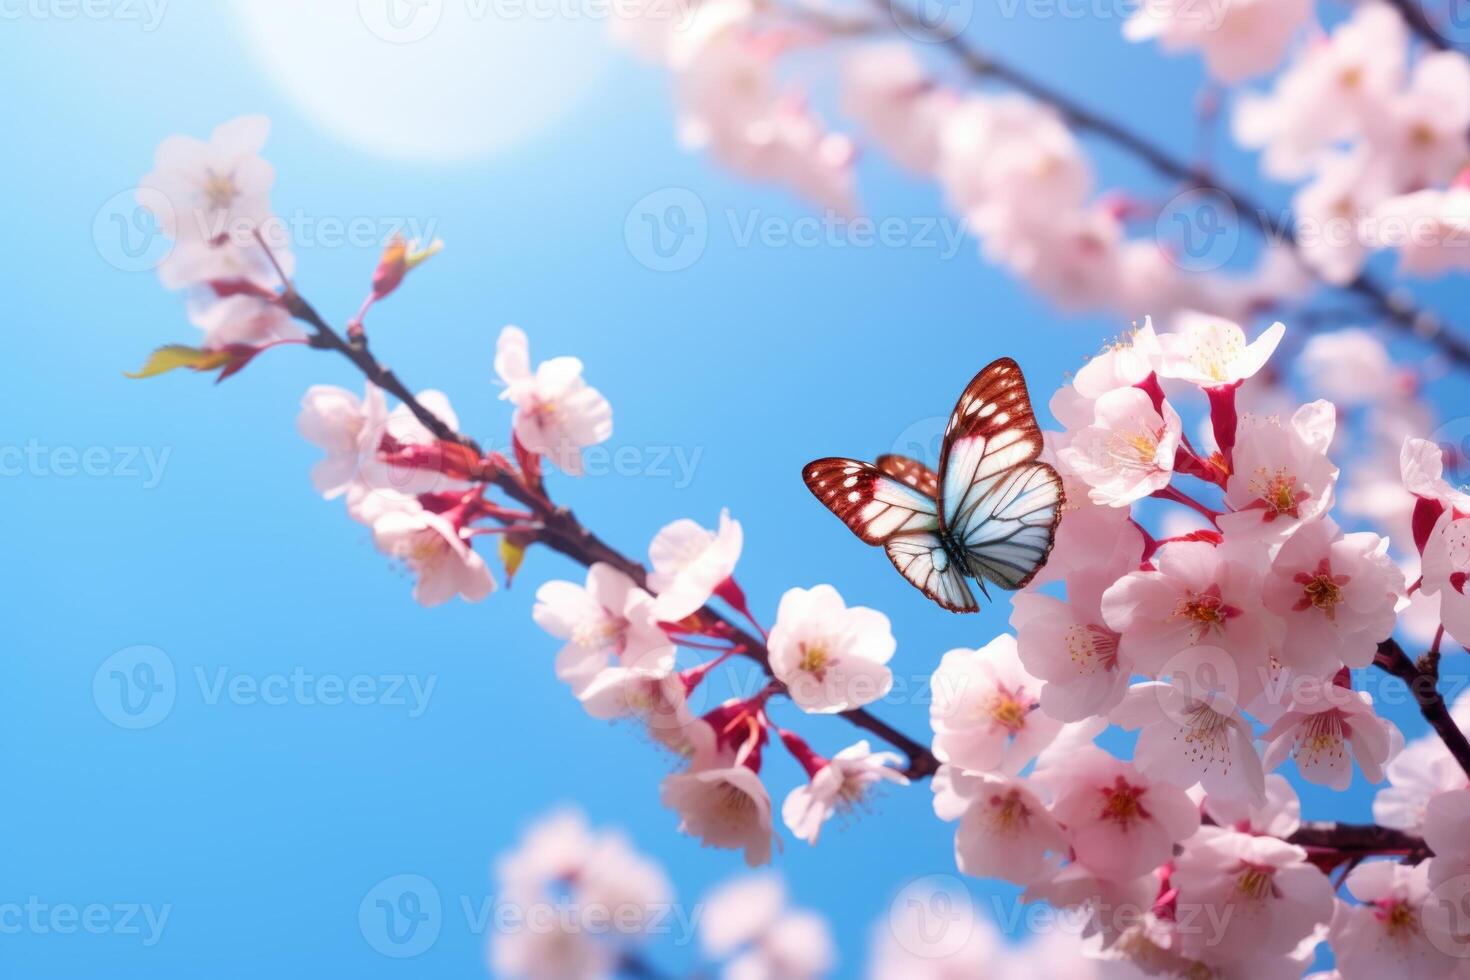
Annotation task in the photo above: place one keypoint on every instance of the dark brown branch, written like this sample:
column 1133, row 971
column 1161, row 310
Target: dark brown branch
column 1422, row 679
column 563, row 533
column 1419, row 22
column 1359, row 839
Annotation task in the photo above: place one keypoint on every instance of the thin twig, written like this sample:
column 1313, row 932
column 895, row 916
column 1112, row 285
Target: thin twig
column 1423, row 683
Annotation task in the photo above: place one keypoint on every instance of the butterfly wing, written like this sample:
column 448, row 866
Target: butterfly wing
column 911, row 472
column 999, row 504
column 882, row 510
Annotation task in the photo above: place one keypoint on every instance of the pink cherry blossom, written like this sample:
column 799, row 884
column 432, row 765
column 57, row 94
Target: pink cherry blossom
column 1112, row 906
column 1238, row 38
column 1200, row 594
column 1279, row 816
column 1262, row 893
column 1128, row 451
column 657, row 698
column 1332, row 213
column 436, row 552
column 1070, row 647
column 1385, row 935
column 986, row 713
column 839, row 785
column 1090, row 535
column 1423, row 133
column 1120, row 823
column 1282, row 476
column 690, row 563
column 211, row 198
column 1336, row 594
column 1417, row 775
column 1446, row 572
column 1430, row 229
column 1326, row 728
column 1006, row 162
column 557, row 413
column 739, row 911
column 1212, row 352
column 725, row 805
column 731, row 104
column 1328, row 92
column 608, row 617
column 240, row 319
column 887, row 91
column 1005, row 830
column 1421, row 464
column 1349, row 367
column 347, row 428
column 830, row 657
column 1191, row 730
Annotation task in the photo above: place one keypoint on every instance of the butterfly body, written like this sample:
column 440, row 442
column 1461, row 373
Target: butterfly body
column 989, row 514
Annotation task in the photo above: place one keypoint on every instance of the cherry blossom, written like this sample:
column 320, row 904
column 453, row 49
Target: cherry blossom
column 211, row 197
column 1070, row 647
column 347, row 428
column 1128, row 451
column 1385, row 935
column 721, row 799
column 830, row 657
column 1200, row 594
column 435, row 551
column 887, row 92
column 1214, row 353
column 1120, row 824
column 1005, row 830
column 1331, row 89
column 1336, row 594
column 985, row 713
column 690, row 563
column 1446, row 571
column 1261, row 891
column 557, row 413
column 1323, row 727
column 1423, row 133
column 240, row 319
column 1334, row 209
column 1238, row 38
column 658, row 698
column 1191, row 730
column 1282, row 476
column 608, row 617
column 1422, row 771
column 1430, row 229
column 1349, row 367
column 749, row 917
column 1279, row 816
column 837, row 784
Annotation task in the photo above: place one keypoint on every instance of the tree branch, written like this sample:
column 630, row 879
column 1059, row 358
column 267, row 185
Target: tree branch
column 1358, row 840
column 1422, row 680
column 1398, row 312
column 1419, row 22
column 563, row 533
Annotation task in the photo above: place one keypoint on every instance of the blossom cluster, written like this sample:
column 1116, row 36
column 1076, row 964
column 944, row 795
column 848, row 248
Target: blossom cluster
column 1229, row 646
column 1200, row 593
column 575, row 903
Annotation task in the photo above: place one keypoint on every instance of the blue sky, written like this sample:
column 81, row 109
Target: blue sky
column 192, row 528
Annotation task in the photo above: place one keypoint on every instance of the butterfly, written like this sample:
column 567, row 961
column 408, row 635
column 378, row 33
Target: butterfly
column 989, row 514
